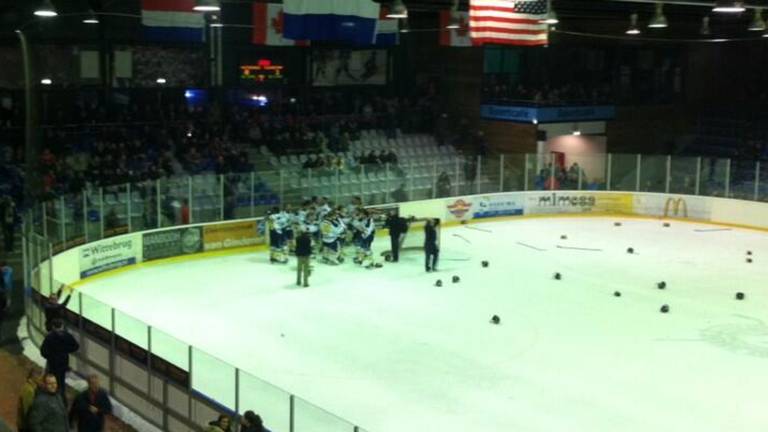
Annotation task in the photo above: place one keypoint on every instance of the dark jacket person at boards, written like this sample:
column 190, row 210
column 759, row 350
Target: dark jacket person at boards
column 397, row 226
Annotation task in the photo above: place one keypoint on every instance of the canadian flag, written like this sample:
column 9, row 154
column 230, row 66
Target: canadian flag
column 268, row 26
column 455, row 37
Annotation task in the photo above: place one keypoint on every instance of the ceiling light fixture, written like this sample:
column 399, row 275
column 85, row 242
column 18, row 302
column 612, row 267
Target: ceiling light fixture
column 633, row 28
column 659, row 19
column 551, row 17
column 728, row 6
column 455, row 22
column 758, row 23
column 91, row 18
column 398, row 10
column 46, row 10
column 216, row 21
column 207, row 6
column 705, row 30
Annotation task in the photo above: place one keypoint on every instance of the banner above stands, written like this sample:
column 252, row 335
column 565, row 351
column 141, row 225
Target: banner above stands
column 535, row 115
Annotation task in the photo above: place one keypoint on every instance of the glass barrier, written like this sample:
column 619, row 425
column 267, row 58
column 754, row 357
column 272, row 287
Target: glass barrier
column 74, row 220
column 213, row 378
column 714, row 176
column 513, row 172
column 272, row 403
column 170, row 349
column 131, row 329
column 624, row 172
column 742, row 179
column 94, row 209
column 96, row 311
column 310, row 418
column 653, row 173
column 489, row 174
column 683, row 173
column 762, row 184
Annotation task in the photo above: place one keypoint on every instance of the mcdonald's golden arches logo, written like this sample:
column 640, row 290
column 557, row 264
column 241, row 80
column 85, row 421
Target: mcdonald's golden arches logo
column 676, row 205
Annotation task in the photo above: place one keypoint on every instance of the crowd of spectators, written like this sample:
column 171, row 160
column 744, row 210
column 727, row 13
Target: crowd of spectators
column 546, row 94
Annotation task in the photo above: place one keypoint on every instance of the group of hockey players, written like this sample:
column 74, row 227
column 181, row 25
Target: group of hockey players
column 333, row 230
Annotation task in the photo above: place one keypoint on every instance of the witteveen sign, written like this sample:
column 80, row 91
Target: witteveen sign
column 109, row 254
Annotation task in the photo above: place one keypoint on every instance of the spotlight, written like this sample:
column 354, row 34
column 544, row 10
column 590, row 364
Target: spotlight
column 398, row 10
column 160, row 81
column 46, row 10
column 758, row 23
column 46, row 81
column 659, row 19
column 633, row 28
column 727, row 6
column 91, row 18
column 207, row 6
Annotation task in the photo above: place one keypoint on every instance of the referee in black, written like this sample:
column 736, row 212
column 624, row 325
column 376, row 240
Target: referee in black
column 431, row 246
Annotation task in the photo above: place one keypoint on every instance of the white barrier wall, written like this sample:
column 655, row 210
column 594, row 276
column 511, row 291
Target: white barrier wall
column 705, row 209
column 103, row 255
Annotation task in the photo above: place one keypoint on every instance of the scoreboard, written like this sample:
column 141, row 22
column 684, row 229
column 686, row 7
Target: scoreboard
column 262, row 71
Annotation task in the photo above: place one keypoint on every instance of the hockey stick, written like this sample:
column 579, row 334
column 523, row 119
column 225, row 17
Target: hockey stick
column 477, row 229
column 712, row 230
column 579, row 248
column 462, row 237
column 532, row 247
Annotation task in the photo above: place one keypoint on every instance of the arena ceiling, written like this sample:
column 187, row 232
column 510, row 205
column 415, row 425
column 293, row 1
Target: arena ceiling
column 593, row 16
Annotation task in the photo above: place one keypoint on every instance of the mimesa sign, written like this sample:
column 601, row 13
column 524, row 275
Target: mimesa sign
column 565, row 200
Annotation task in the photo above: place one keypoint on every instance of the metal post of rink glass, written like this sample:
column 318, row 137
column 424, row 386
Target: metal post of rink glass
column 757, row 181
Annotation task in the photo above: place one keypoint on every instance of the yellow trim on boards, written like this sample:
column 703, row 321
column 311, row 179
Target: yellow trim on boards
column 259, row 248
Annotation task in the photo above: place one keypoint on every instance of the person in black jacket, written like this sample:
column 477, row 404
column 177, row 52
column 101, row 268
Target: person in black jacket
column 397, row 226
column 431, row 245
column 303, row 254
column 56, row 348
column 90, row 407
column 53, row 309
column 251, row 422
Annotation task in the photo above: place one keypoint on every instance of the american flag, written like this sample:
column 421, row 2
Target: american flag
column 508, row 22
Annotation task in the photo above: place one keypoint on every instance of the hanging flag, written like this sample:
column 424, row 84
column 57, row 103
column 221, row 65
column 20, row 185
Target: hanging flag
column 268, row 25
column 455, row 37
column 387, row 29
column 508, row 22
column 172, row 21
column 352, row 21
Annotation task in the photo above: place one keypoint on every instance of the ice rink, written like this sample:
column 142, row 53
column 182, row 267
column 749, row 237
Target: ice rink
column 389, row 351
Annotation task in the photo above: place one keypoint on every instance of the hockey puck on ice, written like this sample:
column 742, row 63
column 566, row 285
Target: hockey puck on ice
column 617, row 293
column 661, row 285
column 484, row 263
column 664, row 309
column 563, row 237
column 749, row 252
column 495, row 319
column 617, row 224
column 439, row 283
column 455, row 279
column 557, row 276
column 665, row 224
column 388, row 258
column 749, row 260
column 739, row 296
column 630, row 250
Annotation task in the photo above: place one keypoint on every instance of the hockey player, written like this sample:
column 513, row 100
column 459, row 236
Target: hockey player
column 290, row 221
column 331, row 229
column 366, row 229
column 276, row 223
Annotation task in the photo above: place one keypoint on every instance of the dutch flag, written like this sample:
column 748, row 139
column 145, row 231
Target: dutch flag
column 172, row 21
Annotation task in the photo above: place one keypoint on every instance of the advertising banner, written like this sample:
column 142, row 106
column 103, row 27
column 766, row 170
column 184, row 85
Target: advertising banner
column 674, row 206
column 174, row 242
column 231, row 235
column 578, row 202
column 497, row 205
column 108, row 254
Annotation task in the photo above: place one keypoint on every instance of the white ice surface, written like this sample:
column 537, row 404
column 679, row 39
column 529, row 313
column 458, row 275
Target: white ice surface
column 389, row 351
